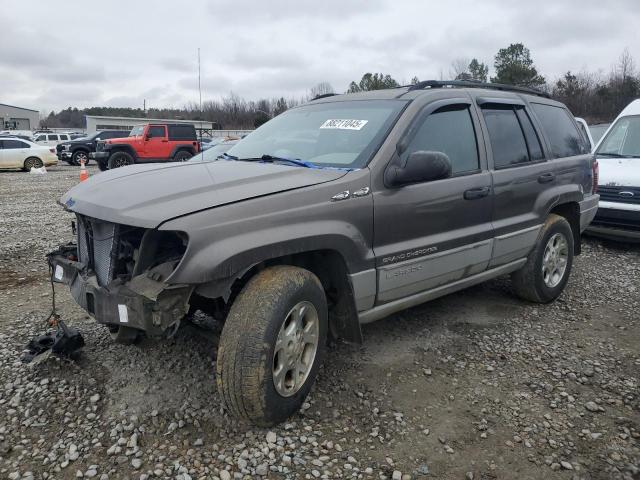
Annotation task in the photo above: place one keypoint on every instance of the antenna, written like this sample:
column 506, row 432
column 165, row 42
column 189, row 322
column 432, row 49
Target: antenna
column 200, row 93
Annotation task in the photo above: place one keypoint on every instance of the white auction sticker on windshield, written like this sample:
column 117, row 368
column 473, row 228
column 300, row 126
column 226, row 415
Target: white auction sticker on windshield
column 344, row 124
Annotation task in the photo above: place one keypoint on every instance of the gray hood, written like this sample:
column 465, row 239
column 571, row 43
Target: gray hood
column 148, row 195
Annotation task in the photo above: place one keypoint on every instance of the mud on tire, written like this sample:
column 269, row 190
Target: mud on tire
column 247, row 353
column 529, row 282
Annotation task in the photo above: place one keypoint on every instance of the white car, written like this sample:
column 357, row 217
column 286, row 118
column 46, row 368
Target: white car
column 18, row 153
column 51, row 139
column 586, row 133
column 618, row 154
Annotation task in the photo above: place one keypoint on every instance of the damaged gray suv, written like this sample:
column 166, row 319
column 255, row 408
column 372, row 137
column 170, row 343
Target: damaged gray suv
column 331, row 215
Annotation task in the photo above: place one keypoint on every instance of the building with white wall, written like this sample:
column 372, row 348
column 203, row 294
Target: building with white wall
column 18, row 118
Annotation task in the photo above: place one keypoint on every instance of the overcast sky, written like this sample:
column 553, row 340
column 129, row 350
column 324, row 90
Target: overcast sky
column 117, row 53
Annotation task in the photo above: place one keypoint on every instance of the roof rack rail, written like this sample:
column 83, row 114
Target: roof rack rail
column 476, row 84
column 324, row 95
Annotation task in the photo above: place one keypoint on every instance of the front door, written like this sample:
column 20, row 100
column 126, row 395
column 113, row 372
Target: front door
column 432, row 233
column 156, row 143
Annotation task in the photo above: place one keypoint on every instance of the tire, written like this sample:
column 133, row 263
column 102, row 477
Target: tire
column 182, row 156
column 124, row 335
column 120, row 159
column 543, row 281
column 32, row 162
column 257, row 323
column 79, row 155
column 102, row 165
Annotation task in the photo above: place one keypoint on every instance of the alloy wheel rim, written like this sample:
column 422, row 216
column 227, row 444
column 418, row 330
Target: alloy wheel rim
column 554, row 260
column 121, row 161
column 295, row 349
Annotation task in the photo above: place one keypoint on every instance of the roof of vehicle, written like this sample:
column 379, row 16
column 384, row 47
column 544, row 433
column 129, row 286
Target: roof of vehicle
column 632, row 109
column 33, row 144
column 430, row 86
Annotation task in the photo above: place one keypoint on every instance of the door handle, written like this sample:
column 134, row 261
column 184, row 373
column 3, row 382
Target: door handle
column 476, row 193
column 546, row 177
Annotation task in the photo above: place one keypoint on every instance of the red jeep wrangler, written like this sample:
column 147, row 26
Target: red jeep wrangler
column 172, row 142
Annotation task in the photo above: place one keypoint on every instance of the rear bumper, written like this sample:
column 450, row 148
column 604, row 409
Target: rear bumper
column 622, row 224
column 142, row 303
column 588, row 209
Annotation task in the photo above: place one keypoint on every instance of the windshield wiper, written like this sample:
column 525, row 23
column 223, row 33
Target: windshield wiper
column 614, row 155
column 271, row 158
column 226, row 156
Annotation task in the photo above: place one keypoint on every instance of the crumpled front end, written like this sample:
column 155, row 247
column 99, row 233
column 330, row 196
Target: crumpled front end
column 119, row 273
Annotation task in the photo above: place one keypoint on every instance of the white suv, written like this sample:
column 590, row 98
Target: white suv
column 51, row 139
column 618, row 154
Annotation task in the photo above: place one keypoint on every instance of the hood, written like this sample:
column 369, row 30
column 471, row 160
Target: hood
column 125, row 139
column 148, row 195
column 619, row 172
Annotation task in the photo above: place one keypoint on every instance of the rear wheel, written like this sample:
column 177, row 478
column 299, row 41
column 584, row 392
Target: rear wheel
column 80, row 156
column 544, row 276
column 32, row 162
column 272, row 345
column 120, row 159
column 182, row 156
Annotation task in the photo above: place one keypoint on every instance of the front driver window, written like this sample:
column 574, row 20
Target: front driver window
column 448, row 130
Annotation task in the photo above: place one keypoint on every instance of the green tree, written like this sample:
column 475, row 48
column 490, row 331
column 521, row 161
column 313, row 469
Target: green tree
column 372, row 81
column 514, row 66
column 478, row 70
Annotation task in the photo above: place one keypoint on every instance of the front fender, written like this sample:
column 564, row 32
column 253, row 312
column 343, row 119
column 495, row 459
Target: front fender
column 226, row 241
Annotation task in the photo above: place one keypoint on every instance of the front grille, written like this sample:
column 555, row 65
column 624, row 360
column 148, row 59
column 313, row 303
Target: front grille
column 100, row 146
column 112, row 251
column 96, row 244
column 613, row 194
column 104, row 240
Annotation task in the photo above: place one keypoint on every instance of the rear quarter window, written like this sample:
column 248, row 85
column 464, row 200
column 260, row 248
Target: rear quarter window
column 557, row 124
column 182, row 132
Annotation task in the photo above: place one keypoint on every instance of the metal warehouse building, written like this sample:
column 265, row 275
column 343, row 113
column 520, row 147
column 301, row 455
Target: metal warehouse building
column 96, row 123
column 17, row 118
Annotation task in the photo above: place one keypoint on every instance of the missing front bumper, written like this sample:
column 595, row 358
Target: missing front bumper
column 141, row 303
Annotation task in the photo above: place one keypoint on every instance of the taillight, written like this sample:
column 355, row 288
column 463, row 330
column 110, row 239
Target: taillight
column 52, row 150
column 595, row 173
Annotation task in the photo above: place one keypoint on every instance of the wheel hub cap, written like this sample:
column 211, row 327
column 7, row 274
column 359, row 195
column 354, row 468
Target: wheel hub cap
column 295, row 349
column 554, row 260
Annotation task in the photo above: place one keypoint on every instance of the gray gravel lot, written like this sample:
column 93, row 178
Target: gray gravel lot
column 476, row 385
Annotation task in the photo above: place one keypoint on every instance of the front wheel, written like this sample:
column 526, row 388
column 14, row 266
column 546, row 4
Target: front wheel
column 543, row 278
column 272, row 345
column 120, row 159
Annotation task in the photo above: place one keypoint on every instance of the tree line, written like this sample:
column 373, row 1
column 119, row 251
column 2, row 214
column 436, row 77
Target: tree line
column 596, row 96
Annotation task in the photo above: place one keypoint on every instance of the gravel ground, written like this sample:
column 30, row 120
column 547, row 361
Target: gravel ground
column 476, row 385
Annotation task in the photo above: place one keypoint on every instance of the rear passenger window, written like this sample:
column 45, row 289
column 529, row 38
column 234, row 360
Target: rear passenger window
column 508, row 144
column 530, row 135
column 448, row 130
column 558, row 126
column 52, row 137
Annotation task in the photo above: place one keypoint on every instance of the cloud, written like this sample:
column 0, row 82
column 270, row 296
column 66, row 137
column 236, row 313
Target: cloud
column 283, row 47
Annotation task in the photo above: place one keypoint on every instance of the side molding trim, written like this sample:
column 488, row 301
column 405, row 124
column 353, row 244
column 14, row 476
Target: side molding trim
column 387, row 309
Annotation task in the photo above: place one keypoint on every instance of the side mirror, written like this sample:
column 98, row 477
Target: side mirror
column 420, row 166
column 98, row 139
column 148, row 136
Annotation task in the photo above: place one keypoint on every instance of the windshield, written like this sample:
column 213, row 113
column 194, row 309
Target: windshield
column 623, row 140
column 336, row 134
column 214, row 152
column 598, row 130
column 137, row 131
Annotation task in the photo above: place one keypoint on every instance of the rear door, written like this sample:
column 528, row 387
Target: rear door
column 525, row 179
column 432, row 233
column 156, row 143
